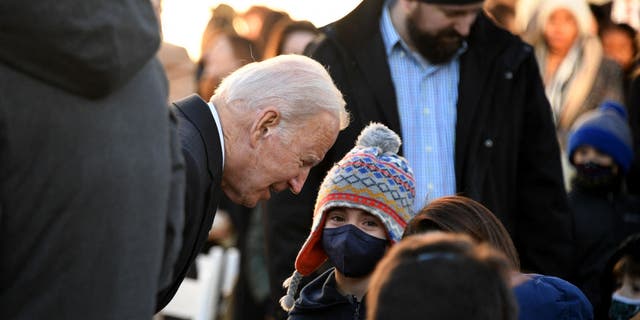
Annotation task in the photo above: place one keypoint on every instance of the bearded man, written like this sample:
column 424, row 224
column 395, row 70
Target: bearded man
column 469, row 103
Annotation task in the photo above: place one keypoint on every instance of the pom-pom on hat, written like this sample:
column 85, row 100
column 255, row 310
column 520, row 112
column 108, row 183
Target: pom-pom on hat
column 607, row 130
column 372, row 177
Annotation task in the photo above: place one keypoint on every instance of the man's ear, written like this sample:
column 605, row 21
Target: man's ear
column 267, row 120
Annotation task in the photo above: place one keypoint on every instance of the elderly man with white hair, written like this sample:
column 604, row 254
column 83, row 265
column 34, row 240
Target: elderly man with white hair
column 266, row 125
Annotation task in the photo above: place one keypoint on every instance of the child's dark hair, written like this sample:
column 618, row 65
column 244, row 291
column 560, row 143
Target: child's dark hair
column 627, row 266
column 625, row 261
column 444, row 276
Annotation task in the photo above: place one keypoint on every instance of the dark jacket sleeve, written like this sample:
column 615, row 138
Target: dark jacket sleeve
column 544, row 225
column 175, row 216
column 191, row 226
column 633, row 107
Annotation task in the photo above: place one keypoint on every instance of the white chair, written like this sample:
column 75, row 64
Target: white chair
column 197, row 299
column 231, row 271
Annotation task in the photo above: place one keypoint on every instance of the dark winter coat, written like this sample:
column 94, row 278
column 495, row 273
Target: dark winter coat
column 321, row 300
column 602, row 221
column 202, row 151
column 91, row 175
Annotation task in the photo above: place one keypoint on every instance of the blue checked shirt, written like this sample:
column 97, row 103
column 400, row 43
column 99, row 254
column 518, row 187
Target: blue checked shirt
column 427, row 97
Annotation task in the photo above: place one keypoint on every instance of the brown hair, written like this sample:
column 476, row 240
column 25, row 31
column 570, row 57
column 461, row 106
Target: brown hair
column 463, row 215
column 626, row 267
column 280, row 33
column 441, row 276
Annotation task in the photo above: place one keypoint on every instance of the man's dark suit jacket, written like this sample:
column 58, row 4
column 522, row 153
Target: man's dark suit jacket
column 202, row 153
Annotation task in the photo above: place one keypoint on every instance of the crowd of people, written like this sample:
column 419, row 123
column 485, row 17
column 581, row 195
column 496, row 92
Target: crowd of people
column 494, row 174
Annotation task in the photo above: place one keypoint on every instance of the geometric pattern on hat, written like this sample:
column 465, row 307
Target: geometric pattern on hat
column 371, row 177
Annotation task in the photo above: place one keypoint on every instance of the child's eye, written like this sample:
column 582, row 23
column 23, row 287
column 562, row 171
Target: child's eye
column 371, row 223
column 336, row 218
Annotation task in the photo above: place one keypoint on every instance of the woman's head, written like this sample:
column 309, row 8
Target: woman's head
column 619, row 44
column 463, row 215
column 560, row 23
column 290, row 37
column 441, row 276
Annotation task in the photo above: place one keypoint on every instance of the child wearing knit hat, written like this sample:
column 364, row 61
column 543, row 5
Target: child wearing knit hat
column 363, row 206
column 600, row 148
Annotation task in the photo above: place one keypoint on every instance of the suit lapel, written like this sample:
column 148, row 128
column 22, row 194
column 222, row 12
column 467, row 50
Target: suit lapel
column 197, row 112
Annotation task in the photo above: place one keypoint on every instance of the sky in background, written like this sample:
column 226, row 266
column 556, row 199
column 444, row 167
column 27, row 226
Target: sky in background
column 183, row 21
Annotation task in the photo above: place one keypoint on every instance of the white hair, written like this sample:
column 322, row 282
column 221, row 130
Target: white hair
column 297, row 85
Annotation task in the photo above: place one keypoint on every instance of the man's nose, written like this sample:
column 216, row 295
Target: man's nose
column 463, row 24
column 296, row 183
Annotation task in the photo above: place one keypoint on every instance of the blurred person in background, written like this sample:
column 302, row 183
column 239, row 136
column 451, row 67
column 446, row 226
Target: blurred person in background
column 620, row 44
column 600, row 148
column 260, row 21
column 221, row 21
column 576, row 74
column 290, row 37
column 503, row 13
column 180, row 70
column 621, row 282
column 91, row 174
column 617, row 12
column 227, row 53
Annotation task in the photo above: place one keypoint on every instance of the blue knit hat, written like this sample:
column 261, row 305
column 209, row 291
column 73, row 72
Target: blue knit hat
column 607, row 130
column 546, row 297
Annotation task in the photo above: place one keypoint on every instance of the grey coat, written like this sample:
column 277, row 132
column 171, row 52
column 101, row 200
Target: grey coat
column 91, row 175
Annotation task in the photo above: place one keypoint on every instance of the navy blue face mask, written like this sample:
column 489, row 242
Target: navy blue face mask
column 352, row 251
